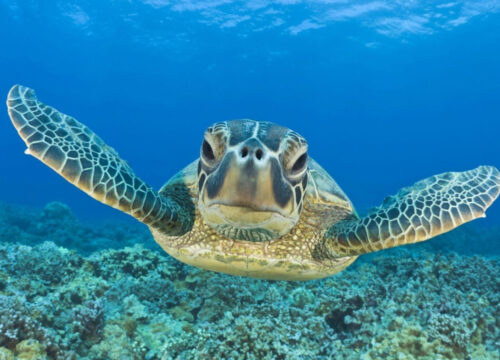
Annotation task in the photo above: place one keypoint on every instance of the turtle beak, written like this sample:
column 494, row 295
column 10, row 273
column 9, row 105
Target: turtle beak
column 249, row 179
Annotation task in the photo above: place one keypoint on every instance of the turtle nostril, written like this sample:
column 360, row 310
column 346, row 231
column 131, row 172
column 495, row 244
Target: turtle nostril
column 259, row 153
column 244, row 152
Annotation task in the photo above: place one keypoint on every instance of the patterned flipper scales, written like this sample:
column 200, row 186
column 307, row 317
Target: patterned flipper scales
column 81, row 157
column 428, row 208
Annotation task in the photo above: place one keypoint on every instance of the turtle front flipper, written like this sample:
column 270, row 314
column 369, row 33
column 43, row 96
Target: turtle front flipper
column 428, row 208
column 81, row 157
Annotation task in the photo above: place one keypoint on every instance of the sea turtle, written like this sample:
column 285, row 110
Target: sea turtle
column 254, row 203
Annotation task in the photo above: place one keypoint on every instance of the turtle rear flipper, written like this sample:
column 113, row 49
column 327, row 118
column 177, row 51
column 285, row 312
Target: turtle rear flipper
column 81, row 157
column 428, row 208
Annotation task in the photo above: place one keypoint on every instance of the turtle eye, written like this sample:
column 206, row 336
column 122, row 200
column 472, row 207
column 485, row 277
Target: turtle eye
column 300, row 163
column 207, row 150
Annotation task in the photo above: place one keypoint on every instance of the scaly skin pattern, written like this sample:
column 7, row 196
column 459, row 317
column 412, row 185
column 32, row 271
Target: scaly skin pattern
column 81, row 157
column 327, row 237
column 287, row 258
column 428, row 208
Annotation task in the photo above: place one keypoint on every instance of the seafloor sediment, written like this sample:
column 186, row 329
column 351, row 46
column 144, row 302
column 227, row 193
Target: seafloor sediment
column 416, row 302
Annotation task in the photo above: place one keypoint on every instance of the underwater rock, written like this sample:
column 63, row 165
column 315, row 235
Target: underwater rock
column 56, row 223
column 30, row 350
column 6, row 354
column 89, row 320
column 54, row 216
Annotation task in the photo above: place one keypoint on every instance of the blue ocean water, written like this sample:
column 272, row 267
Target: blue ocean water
column 386, row 92
column 386, row 95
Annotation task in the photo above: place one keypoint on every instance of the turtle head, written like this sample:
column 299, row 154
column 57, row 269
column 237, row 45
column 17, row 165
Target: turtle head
column 251, row 179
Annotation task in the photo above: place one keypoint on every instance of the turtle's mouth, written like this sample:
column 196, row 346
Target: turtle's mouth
column 243, row 222
column 243, row 208
column 242, row 216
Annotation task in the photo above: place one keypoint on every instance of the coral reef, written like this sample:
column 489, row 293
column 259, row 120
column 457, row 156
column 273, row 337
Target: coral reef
column 137, row 303
column 56, row 223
